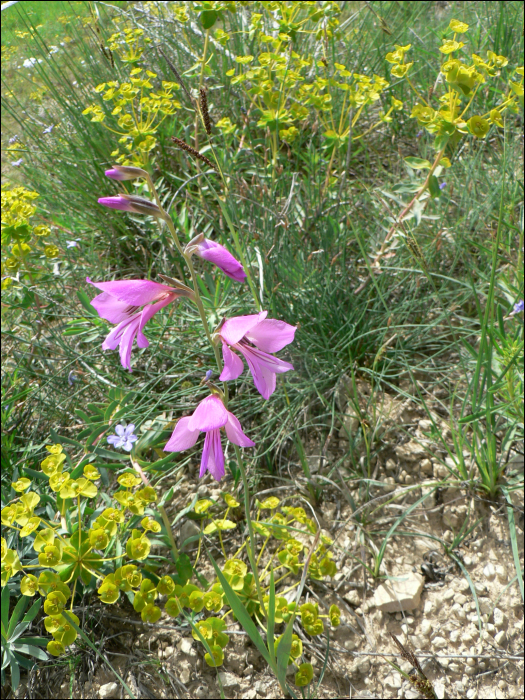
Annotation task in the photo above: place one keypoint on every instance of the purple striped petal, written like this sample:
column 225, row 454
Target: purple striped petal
column 210, row 414
column 212, row 456
column 234, row 432
column 218, row 255
column 263, row 367
column 234, row 329
column 233, row 365
column 271, row 335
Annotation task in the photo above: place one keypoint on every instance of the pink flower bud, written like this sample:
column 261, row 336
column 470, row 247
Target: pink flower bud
column 125, row 172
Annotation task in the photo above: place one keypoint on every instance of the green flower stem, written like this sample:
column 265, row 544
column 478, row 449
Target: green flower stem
column 402, row 215
column 251, row 548
column 162, row 510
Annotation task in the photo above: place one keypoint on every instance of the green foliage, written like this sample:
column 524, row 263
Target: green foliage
column 16, row 649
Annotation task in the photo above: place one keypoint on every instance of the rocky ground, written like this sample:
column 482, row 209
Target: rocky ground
column 462, row 615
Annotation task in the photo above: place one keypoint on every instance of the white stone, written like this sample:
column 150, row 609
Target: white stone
column 393, row 596
column 410, row 452
column 425, row 467
column 426, row 628
column 454, row 636
column 428, row 607
column 489, row 571
column 186, row 645
column 449, row 594
column 393, row 682
column 439, row 689
column 501, row 573
column 202, row 691
column 500, row 638
column 184, row 672
column 228, row 680
column 500, row 619
column 485, row 606
column 460, row 599
column 439, row 642
column 454, row 667
column 108, row 690
column 188, row 529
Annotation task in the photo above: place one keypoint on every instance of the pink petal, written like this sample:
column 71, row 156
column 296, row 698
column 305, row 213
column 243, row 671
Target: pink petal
column 134, row 292
column 112, row 309
column 271, row 335
column 126, row 342
column 233, row 365
column 212, row 456
column 236, row 328
column 218, row 255
column 210, row 414
column 182, row 437
column 235, row 434
column 148, row 312
column 264, row 367
column 113, row 339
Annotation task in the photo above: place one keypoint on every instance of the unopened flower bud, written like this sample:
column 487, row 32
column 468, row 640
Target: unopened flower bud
column 125, row 172
column 132, row 203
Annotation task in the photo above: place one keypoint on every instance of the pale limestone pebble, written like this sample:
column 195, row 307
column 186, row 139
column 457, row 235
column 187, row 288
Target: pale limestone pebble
column 500, row 639
column 401, row 594
column 485, row 606
column 458, row 611
column 500, row 619
column 426, row 628
column 439, row 642
column 186, row 646
column 463, row 585
column 184, row 670
column 393, row 681
column 390, row 465
column 460, row 599
column 439, row 689
column 489, row 571
column 235, row 662
column 418, row 642
column 410, row 452
column 501, row 573
column 428, row 607
column 108, row 690
column 453, row 667
column 448, row 594
column 228, row 680
column 425, row 467
column 202, row 691
column 454, row 636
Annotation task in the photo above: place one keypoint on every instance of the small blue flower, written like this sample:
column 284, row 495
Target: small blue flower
column 72, row 244
column 442, row 185
column 13, row 139
column 49, row 129
column 71, row 378
column 16, row 163
column 518, row 308
column 208, row 375
column 124, row 437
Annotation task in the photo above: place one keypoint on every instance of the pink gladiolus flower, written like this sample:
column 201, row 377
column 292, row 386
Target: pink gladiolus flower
column 267, row 335
column 218, row 255
column 209, row 416
column 119, row 303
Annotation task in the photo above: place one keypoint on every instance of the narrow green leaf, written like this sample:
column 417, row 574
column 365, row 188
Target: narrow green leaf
column 241, row 613
column 17, row 614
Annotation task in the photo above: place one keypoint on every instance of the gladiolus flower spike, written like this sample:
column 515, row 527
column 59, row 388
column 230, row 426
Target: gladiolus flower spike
column 209, row 417
column 255, row 336
column 120, row 302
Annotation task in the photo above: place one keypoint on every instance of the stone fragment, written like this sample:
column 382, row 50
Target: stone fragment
column 393, row 596
column 184, row 672
column 439, row 643
column 393, row 681
column 108, row 690
column 500, row 619
column 489, row 571
column 425, row 467
column 361, row 665
column 228, row 680
column 449, row 594
column 500, row 638
column 501, row 573
column 353, row 597
column 186, row 646
column 202, row 691
column 410, row 452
